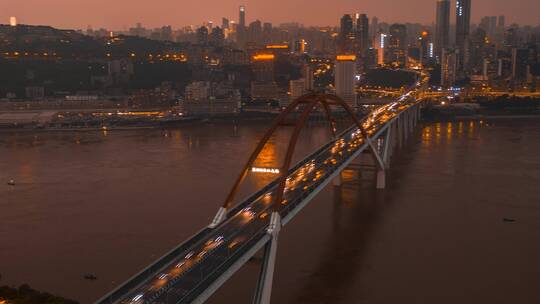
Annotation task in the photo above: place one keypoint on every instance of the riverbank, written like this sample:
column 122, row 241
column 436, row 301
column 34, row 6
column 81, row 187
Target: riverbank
column 476, row 112
column 141, row 124
column 480, row 117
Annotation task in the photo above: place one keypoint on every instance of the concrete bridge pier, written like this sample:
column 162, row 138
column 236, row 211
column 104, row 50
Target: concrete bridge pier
column 408, row 127
column 400, row 129
column 337, row 181
column 263, row 292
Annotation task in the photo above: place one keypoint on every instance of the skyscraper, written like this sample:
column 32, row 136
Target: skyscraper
column 254, row 32
column 442, row 27
column 307, row 73
column 263, row 67
column 217, row 37
column 374, row 29
column 493, row 23
column 463, row 22
column 397, row 45
column 425, row 44
column 242, row 17
column 362, row 33
column 448, row 67
column 344, row 73
column 502, row 22
column 225, row 23
column 380, row 44
column 241, row 32
column 346, row 34
column 202, row 35
column 463, row 29
column 520, row 58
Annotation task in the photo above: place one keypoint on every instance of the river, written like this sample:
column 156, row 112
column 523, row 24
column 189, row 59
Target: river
column 458, row 223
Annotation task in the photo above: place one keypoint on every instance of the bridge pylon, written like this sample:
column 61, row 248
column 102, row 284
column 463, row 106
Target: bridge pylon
column 263, row 292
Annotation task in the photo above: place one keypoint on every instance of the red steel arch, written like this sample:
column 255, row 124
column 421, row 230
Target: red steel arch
column 309, row 101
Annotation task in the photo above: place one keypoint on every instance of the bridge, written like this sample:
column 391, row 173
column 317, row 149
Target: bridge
column 195, row 269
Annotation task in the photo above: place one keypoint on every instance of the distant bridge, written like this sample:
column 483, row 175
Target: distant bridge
column 195, row 269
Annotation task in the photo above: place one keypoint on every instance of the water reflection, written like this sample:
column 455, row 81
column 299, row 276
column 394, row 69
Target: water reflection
column 356, row 207
column 443, row 133
column 268, row 158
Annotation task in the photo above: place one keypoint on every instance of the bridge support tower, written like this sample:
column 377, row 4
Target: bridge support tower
column 263, row 291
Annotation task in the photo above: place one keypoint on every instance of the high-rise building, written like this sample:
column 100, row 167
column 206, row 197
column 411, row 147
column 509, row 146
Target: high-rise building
column 346, row 34
column 484, row 24
column 398, row 36
column 242, row 16
column 263, row 67
column 309, row 79
column 202, row 35
column 371, row 58
column 442, row 26
column 13, row 21
column 345, row 83
column 267, row 32
column 362, row 33
column 520, row 60
column 449, row 59
column 380, row 44
column 493, row 23
column 511, row 37
column 502, row 22
column 374, row 29
column 264, row 86
column 166, row 33
column 463, row 22
column 396, row 49
column 463, row 30
column 225, row 23
column 241, row 31
column 254, row 33
column 425, row 45
column 217, row 37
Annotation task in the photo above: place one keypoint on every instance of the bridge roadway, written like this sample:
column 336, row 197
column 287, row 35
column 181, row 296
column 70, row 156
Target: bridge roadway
column 191, row 272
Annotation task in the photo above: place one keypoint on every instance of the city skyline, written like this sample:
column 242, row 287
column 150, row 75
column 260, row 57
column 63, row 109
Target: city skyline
column 122, row 15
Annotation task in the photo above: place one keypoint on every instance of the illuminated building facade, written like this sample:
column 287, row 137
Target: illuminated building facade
column 345, row 82
column 264, row 86
column 396, row 50
column 380, row 44
column 263, row 67
column 449, row 60
column 463, row 29
column 425, row 45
